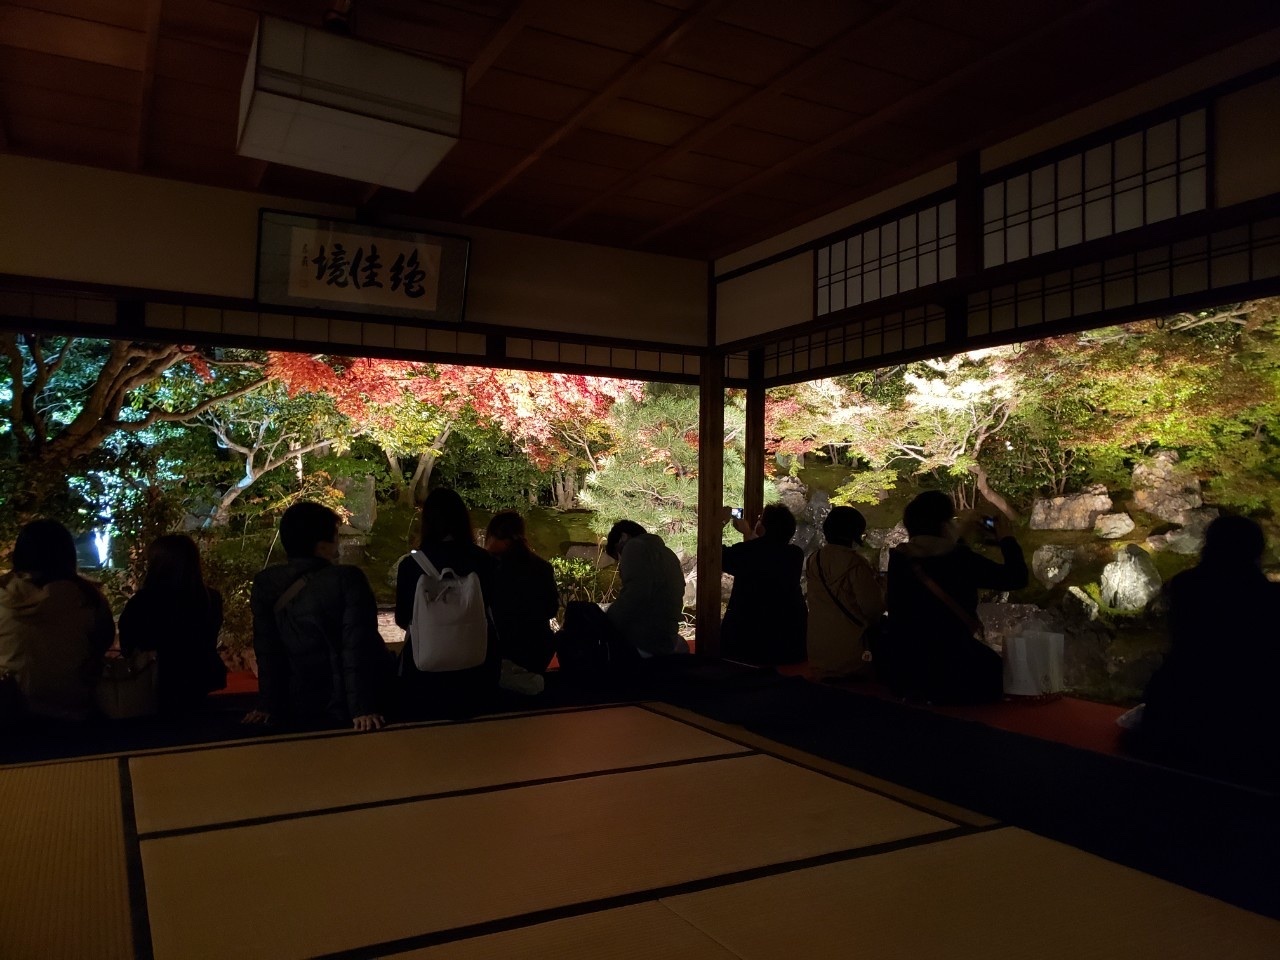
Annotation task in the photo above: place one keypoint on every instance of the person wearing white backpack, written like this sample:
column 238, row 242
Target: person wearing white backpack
column 449, row 665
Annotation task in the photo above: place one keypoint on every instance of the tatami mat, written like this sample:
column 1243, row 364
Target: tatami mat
column 645, row 931
column 1005, row 893
column 744, row 736
column 63, row 880
column 240, row 782
column 320, row 884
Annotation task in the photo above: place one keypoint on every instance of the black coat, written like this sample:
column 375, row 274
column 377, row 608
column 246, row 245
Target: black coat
column 183, row 632
column 321, row 660
column 524, row 600
column 930, row 651
column 766, row 617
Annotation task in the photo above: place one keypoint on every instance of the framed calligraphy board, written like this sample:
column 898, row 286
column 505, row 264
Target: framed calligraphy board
column 342, row 265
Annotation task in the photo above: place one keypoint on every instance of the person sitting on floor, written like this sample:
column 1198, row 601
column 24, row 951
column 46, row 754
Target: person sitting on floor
column 178, row 617
column 643, row 622
column 934, row 649
column 524, row 601
column 845, row 600
column 448, row 542
column 321, row 660
column 1210, row 704
column 54, row 627
column 764, row 622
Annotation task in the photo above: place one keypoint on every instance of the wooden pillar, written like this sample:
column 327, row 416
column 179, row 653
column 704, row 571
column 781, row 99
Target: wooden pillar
column 753, row 488
column 710, row 486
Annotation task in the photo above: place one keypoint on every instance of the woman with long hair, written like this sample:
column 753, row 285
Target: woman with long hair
column 176, row 615
column 54, row 625
column 525, row 596
column 448, row 542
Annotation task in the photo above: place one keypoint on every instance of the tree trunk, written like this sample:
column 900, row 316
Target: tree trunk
column 564, row 487
column 990, row 495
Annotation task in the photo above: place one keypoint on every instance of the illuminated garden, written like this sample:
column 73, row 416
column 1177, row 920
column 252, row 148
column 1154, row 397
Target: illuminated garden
column 1109, row 450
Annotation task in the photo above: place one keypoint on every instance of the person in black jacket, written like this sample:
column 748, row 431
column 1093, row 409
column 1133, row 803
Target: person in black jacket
column 448, row 540
column 933, row 651
column 1211, row 705
column 766, row 616
column 179, row 618
column 321, row 660
column 525, row 595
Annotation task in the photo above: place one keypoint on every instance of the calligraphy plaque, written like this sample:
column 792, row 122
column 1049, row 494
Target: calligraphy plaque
column 376, row 271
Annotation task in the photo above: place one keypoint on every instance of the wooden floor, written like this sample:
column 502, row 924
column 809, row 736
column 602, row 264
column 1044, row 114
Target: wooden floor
column 635, row 831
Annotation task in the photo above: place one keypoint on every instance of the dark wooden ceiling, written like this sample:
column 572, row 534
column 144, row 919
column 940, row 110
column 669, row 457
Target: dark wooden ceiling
column 689, row 127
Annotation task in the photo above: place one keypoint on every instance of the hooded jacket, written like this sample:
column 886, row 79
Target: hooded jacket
column 53, row 637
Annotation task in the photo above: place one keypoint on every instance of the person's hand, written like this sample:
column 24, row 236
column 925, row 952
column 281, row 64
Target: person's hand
column 726, row 516
column 743, row 527
column 369, row 721
column 258, row 718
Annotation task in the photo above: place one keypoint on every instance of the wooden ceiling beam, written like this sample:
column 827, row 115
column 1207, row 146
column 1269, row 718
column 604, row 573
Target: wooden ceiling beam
column 148, row 81
column 655, row 51
column 777, row 85
column 499, row 42
column 885, row 115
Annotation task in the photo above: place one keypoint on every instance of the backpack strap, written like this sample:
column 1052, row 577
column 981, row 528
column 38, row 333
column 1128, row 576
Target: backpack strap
column 427, row 566
column 290, row 594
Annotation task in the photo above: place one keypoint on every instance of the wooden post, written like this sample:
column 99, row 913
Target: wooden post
column 710, row 487
column 753, row 487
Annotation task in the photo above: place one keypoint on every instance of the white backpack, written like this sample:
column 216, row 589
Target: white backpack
column 450, row 630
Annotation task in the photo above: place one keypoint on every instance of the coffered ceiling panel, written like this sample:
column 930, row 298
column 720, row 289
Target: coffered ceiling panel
column 688, row 127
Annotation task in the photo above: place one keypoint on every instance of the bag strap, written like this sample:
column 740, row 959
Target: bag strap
column 857, row 621
column 427, row 566
column 290, row 594
column 969, row 620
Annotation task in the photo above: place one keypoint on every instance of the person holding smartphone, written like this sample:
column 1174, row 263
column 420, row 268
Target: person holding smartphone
column 935, row 649
column 764, row 623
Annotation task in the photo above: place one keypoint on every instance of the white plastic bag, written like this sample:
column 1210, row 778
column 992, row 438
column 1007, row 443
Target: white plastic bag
column 1033, row 663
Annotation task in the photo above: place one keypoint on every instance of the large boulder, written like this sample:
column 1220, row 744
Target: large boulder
column 1165, row 490
column 1087, row 637
column 1131, row 581
column 793, row 494
column 1079, row 511
column 1113, row 526
column 808, row 535
column 1051, row 563
column 1189, row 538
column 351, row 546
column 359, row 497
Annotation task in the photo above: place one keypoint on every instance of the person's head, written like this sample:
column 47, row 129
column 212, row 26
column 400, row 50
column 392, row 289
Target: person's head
column 45, row 551
column 310, row 530
column 930, row 515
column 445, row 517
column 505, row 533
column 1235, row 542
column 173, row 565
column 619, row 534
column 844, row 527
column 777, row 523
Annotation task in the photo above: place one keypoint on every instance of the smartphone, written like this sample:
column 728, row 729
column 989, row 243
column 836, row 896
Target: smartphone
column 735, row 513
column 989, row 524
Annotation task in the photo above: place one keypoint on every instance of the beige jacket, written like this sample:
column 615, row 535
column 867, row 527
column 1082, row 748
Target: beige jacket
column 53, row 637
column 835, row 643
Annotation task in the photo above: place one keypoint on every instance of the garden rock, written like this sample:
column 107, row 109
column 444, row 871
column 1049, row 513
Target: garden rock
column 1131, row 581
column 809, row 523
column 1189, row 538
column 891, row 539
column 691, row 589
column 1165, row 490
column 1051, row 563
column 1113, row 526
column 793, row 494
column 1085, row 643
column 359, row 497
column 1000, row 621
column 1079, row 511
column 351, row 547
